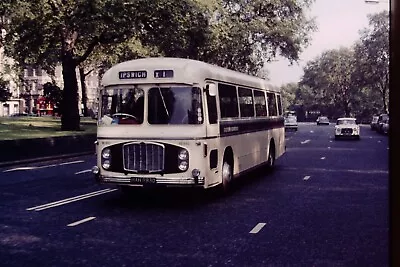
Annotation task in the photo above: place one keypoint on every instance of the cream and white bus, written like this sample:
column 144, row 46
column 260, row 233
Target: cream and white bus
column 181, row 122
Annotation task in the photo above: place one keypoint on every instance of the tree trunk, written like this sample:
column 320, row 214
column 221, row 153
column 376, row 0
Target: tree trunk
column 70, row 120
column 82, row 77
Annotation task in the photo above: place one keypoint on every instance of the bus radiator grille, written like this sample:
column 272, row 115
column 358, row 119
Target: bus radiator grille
column 143, row 157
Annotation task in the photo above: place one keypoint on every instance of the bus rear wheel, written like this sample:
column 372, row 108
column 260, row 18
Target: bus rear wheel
column 271, row 158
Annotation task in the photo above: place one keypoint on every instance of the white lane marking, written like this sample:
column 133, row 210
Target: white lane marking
column 311, row 131
column 306, row 141
column 306, row 177
column 72, row 162
column 257, row 228
column 323, row 158
column 331, row 141
column 82, row 221
column 44, row 166
column 69, row 200
column 84, row 171
column 329, row 147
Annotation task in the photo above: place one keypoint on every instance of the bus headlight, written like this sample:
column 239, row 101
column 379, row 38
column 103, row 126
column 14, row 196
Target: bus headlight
column 106, row 164
column 183, row 154
column 183, row 165
column 106, row 154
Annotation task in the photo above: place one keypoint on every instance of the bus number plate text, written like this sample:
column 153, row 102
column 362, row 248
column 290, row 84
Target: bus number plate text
column 143, row 180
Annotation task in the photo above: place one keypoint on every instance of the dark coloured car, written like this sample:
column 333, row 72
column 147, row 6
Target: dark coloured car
column 322, row 120
column 374, row 123
column 381, row 121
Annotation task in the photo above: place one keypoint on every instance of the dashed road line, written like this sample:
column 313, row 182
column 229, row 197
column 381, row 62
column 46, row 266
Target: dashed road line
column 257, row 228
column 81, row 221
column 306, row 177
column 84, row 171
column 323, row 158
column 70, row 200
column 42, row 167
column 305, row 142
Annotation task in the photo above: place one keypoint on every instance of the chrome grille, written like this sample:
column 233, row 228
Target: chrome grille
column 347, row 131
column 143, row 157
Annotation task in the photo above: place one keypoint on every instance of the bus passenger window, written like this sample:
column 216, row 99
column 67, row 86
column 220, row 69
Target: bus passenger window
column 228, row 101
column 260, row 104
column 271, row 104
column 246, row 102
column 280, row 111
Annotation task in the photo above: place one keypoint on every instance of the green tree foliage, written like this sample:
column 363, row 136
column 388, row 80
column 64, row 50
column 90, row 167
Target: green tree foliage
column 372, row 58
column 4, row 90
column 245, row 34
column 331, row 79
column 48, row 32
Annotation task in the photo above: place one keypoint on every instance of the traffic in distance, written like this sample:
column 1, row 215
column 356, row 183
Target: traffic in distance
column 180, row 122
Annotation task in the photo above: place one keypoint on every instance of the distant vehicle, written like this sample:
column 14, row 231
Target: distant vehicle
column 291, row 123
column 381, row 120
column 322, row 120
column 374, row 122
column 347, row 128
column 385, row 127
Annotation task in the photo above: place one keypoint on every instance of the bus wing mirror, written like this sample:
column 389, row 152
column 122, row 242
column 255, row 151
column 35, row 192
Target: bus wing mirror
column 212, row 89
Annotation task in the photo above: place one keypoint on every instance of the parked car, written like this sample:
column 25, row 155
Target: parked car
column 381, row 120
column 347, row 128
column 385, row 127
column 374, row 122
column 291, row 123
column 322, row 120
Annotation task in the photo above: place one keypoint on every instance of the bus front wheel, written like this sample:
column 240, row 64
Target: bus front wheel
column 227, row 175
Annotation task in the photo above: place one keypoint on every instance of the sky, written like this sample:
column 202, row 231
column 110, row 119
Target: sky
column 338, row 22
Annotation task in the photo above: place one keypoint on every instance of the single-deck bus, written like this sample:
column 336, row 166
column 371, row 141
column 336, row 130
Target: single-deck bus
column 181, row 122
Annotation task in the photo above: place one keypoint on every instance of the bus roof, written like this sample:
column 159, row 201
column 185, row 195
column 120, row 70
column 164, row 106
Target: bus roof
column 185, row 71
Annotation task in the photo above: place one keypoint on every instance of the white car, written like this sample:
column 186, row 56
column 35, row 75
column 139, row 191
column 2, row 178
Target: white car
column 291, row 123
column 347, row 128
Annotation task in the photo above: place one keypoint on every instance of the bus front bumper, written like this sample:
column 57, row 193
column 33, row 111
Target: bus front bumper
column 148, row 181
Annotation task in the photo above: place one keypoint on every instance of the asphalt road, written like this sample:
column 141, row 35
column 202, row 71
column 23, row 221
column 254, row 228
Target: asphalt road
column 326, row 204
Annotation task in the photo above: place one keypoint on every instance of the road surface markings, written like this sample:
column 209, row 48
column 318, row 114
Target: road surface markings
column 84, row 171
column 257, row 228
column 329, row 147
column 331, row 141
column 379, row 141
column 305, row 142
column 311, row 131
column 81, row 221
column 70, row 200
column 71, row 162
column 42, row 167
column 306, row 177
column 322, row 157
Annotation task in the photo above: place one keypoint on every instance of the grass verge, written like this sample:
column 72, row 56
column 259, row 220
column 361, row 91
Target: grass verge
column 12, row 128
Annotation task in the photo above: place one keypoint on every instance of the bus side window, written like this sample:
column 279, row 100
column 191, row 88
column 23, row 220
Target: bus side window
column 280, row 111
column 212, row 109
column 271, row 104
column 228, row 101
column 260, row 103
column 246, row 102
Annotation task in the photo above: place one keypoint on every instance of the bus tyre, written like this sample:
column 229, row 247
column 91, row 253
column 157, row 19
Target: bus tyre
column 227, row 176
column 271, row 158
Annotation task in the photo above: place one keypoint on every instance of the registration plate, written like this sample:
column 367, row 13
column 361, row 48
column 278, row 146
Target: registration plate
column 143, row 180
